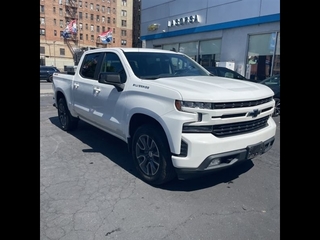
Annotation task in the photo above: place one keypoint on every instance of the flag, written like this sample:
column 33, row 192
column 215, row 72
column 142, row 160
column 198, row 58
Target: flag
column 106, row 36
column 71, row 28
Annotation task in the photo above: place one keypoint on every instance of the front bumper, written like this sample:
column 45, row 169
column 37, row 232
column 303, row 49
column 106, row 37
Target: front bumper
column 206, row 153
column 226, row 160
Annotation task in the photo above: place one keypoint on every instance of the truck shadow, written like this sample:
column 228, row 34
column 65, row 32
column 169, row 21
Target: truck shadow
column 117, row 151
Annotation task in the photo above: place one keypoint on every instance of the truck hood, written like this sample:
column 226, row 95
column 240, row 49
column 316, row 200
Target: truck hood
column 212, row 88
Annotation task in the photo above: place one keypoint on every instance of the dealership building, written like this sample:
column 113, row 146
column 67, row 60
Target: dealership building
column 243, row 35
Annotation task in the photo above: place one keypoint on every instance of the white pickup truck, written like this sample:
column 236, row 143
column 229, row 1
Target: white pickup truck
column 177, row 119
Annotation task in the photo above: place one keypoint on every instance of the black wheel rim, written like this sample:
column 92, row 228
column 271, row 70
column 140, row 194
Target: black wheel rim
column 62, row 114
column 148, row 156
column 277, row 108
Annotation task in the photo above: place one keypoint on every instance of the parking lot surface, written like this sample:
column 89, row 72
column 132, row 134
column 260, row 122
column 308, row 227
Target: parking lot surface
column 89, row 191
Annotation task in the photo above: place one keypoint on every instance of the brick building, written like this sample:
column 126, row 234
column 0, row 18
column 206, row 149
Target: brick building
column 91, row 18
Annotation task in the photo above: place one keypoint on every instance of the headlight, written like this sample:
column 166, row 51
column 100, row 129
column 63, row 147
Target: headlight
column 188, row 104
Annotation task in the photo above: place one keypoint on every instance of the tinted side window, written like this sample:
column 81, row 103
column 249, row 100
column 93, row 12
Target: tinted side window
column 89, row 65
column 112, row 63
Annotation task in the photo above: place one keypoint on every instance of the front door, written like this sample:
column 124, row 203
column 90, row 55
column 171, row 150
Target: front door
column 106, row 97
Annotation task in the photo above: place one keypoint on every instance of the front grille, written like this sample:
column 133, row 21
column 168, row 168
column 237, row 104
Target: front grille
column 230, row 129
column 241, row 104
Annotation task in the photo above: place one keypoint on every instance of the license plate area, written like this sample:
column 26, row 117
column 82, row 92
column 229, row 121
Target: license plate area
column 255, row 150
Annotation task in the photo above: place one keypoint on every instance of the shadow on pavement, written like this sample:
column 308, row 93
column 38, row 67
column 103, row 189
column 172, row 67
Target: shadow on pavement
column 210, row 180
column 117, row 151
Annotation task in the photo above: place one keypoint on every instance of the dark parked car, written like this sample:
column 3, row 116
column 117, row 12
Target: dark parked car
column 225, row 72
column 274, row 83
column 46, row 72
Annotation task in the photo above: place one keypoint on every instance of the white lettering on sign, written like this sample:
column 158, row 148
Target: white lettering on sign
column 183, row 20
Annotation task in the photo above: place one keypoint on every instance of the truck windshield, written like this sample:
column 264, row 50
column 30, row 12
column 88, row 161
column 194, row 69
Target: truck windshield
column 148, row 65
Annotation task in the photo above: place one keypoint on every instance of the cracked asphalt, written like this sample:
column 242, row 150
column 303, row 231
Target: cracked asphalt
column 89, row 191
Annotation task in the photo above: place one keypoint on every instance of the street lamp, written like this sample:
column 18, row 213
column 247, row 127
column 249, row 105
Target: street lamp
column 54, row 53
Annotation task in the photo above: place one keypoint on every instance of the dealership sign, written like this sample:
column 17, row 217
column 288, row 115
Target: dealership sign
column 183, row 21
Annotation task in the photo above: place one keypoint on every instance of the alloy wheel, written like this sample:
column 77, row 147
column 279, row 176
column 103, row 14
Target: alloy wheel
column 148, row 156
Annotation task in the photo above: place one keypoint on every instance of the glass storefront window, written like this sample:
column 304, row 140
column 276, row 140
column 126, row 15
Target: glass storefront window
column 171, row 47
column 276, row 62
column 263, row 56
column 190, row 49
column 209, row 52
column 208, row 55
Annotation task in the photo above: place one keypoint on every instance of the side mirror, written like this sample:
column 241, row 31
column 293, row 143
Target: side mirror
column 111, row 78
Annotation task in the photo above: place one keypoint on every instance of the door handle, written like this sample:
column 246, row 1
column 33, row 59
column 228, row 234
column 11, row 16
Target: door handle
column 76, row 85
column 96, row 89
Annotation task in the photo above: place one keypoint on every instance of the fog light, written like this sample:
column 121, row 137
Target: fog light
column 214, row 162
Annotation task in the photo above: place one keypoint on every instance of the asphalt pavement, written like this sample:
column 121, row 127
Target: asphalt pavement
column 46, row 91
column 89, row 190
column 46, row 88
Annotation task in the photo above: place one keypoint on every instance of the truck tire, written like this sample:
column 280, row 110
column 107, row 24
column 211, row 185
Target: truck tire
column 67, row 121
column 151, row 155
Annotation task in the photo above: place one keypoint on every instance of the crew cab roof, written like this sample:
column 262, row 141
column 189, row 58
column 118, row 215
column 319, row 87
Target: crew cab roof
column 131, row 50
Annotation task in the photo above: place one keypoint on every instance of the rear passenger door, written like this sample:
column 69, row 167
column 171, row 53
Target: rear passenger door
column 83, row 85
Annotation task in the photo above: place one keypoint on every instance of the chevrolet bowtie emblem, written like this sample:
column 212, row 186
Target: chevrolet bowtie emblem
column 254, row 113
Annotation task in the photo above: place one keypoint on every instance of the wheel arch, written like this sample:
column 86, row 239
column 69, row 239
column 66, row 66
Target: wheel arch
column 60, row 94
column 140, row 119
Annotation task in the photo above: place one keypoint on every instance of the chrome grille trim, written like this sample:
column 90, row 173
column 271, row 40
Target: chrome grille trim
column 227, row 105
